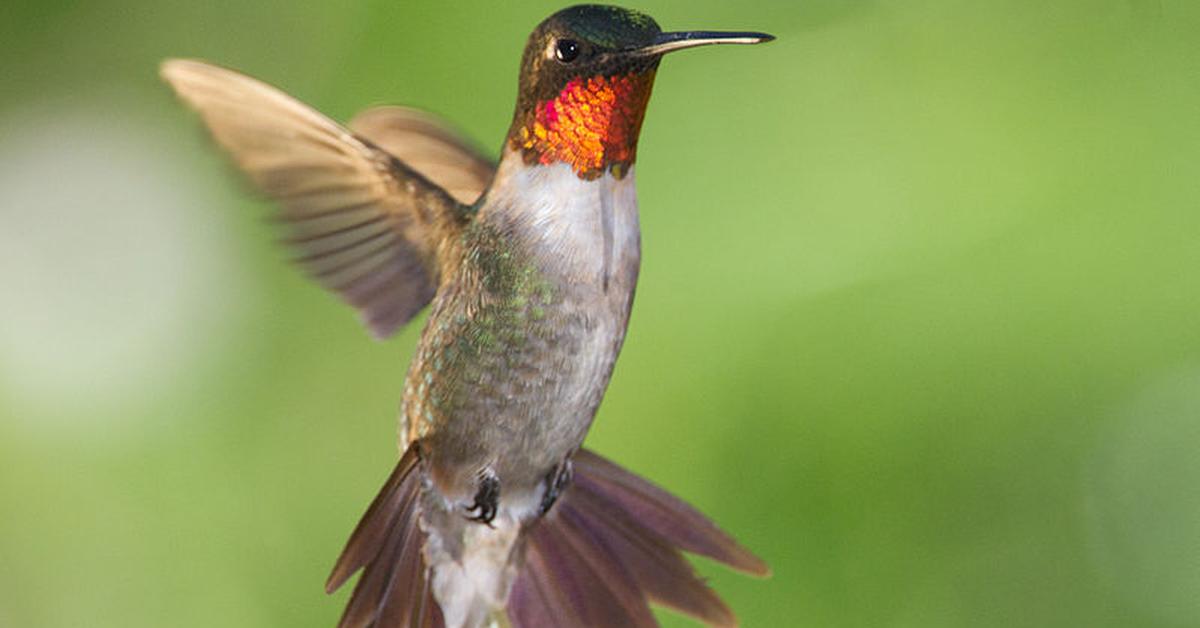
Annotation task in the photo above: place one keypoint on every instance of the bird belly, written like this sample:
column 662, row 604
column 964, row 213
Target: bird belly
column 518, row 352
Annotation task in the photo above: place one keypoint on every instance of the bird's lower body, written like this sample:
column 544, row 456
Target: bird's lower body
column 602, row 545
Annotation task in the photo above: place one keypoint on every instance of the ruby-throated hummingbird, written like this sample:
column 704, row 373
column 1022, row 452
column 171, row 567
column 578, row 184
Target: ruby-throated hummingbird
column 494, row 514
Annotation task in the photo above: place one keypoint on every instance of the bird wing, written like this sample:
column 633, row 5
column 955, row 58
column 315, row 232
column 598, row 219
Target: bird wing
column 363, row 223
column 429, row 146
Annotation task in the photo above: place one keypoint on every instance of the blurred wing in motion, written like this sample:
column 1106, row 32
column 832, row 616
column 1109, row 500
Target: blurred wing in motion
column 429, row 146
column 364, row 224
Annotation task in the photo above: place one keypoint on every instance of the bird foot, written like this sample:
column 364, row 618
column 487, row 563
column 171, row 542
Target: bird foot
column 487, row 498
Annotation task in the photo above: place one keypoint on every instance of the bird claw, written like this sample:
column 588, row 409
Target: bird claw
column 487, row 498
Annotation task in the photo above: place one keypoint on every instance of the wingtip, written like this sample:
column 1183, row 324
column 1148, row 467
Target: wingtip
column 176, row 70
column 379, row 329
column 170, row 68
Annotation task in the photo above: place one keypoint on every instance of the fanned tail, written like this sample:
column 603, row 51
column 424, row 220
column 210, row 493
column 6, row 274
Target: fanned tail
column 387, row 545
column 611, row 545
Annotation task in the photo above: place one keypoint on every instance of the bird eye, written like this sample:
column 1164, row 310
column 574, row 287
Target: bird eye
column 566, row 50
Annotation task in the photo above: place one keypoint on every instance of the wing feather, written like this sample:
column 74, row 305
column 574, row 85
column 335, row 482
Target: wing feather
column 430, row 147
column 363, row 223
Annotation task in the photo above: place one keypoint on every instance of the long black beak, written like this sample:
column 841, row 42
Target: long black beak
column 670, row 42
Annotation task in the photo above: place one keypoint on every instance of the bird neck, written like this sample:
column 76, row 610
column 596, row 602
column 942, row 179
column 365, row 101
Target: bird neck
column 592, row 124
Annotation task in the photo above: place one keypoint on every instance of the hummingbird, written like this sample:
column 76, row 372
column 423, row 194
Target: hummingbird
column 494, row 514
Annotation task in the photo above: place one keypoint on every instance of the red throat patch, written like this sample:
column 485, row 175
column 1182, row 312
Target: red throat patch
column 592, row 124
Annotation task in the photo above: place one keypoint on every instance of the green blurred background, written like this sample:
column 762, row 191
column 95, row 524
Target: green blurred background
column 917, row 319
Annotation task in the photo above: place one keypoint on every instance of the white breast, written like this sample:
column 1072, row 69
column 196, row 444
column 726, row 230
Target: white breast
column 585, row 230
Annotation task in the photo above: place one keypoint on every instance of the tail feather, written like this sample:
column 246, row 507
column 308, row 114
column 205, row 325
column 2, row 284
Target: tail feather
column 373, row 528
column 408, row 600
column 575, row 582
column 667, row 516
column 658, row 568
column 613, row 543
column 371, row 594
column 387, row 546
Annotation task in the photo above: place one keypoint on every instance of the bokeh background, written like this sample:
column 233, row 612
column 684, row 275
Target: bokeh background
column 917, row 319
